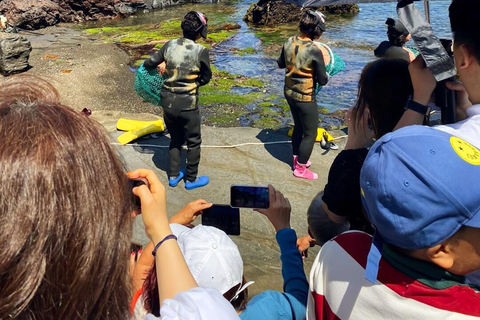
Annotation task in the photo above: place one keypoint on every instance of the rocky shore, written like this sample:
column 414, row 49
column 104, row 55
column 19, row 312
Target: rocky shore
column 35, row 14
column 93, row 74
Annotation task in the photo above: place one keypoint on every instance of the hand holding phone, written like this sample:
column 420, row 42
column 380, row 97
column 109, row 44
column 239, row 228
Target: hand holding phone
column 245, row 196
column 154, row 204
column 189, row 213
column 279, row 211
column 136, row 183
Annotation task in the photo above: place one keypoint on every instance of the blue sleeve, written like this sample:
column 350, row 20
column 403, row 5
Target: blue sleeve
column 294, row 280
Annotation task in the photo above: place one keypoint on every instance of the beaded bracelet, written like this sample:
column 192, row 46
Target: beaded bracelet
column 170, row 236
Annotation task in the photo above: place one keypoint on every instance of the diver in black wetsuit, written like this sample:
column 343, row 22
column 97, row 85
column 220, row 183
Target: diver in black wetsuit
column 187, row 68
column 395, row 48
column 305, row 68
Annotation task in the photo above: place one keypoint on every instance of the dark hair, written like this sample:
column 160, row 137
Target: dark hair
column 395, row 36
column 309, row 26
column 190, row 24
column 465, row 24
column 66, row 204
column 151, row 296
column 384, row 88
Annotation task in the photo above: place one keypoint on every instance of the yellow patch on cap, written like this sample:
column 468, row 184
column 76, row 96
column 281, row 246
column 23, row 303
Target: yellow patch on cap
column 363, row 192
column 465, row 150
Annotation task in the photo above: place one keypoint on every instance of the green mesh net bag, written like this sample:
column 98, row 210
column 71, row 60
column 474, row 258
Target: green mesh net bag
column 148, row 84
column 335, row 66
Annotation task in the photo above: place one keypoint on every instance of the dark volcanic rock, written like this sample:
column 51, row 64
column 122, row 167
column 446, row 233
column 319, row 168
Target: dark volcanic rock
column 270, row 12
column 14, row 53
column 34, row 14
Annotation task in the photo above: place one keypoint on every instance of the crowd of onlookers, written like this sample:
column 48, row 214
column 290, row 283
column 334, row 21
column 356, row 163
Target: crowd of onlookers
column 398, row 221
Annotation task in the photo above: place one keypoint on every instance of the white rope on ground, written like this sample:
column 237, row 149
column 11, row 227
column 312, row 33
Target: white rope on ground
column 207, row 146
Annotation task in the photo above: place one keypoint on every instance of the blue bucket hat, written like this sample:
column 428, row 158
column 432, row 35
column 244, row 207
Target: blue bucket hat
column 419, row 186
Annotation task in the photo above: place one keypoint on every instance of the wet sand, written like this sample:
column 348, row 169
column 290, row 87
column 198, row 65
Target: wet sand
column 89, row 73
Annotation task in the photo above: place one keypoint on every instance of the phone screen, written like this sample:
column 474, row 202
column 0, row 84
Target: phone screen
column 222, row 217
column 249, row 197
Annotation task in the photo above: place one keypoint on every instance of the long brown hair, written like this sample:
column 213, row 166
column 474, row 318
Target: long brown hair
column 384, row 88
column 65, row 206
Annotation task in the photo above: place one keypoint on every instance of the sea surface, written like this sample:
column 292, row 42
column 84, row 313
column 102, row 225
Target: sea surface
column 352, row 37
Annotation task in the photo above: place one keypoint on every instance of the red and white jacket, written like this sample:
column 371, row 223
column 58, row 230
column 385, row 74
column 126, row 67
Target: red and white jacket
column 406, row 288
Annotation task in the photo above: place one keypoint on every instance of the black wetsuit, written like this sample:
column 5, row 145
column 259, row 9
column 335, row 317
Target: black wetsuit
column 187, row 68
column 305, row 68
column 390, row 51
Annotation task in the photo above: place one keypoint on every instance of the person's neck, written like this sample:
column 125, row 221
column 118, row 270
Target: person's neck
column 304, row 37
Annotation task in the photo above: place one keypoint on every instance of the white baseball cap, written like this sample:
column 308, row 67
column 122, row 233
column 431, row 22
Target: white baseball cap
column 212, row 257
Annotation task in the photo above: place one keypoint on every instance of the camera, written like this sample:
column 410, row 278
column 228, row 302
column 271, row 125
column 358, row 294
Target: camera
column 445, row 98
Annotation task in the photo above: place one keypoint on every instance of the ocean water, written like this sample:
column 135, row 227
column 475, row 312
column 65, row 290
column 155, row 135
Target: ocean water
column 352, row 37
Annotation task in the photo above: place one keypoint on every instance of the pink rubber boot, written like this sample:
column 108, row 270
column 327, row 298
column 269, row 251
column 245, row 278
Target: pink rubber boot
column 301, row 171
column 295, row 162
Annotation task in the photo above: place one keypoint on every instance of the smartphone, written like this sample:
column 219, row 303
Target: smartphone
column 242, row 196
column 223, row 217
column 135, row 183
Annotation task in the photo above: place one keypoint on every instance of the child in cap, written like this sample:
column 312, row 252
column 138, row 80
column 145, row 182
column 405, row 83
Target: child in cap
column 305, row 68
column 187, row 68
column 214, row 261
column 395, row 47
column 420, row 189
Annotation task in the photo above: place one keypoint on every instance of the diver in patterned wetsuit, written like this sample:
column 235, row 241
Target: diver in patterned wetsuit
column 305, row 68
column 187, row 68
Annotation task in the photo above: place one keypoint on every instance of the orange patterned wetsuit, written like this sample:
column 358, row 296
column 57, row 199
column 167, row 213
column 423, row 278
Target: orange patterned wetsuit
column 305, row 67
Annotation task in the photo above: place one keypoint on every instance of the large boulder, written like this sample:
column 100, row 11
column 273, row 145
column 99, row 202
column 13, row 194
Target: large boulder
column 14, row 53
column 271, row 12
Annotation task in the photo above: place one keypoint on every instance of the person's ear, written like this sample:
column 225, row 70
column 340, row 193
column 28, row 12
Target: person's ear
column 464, row 57
column 441, row 255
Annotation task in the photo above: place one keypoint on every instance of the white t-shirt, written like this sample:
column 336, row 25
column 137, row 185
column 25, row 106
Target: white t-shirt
column 468, row 129
column 196, row 304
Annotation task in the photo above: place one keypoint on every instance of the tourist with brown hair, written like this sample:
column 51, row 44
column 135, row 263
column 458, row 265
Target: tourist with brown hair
column 65, row 208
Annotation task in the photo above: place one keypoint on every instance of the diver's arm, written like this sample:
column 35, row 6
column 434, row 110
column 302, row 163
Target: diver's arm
column 205, row 71
column 319, row 71
column 155, row 59
column 281, row 60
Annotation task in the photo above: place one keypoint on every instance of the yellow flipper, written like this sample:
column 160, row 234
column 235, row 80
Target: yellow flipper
column 131, row 125
column 135, row 134
column 320, row 132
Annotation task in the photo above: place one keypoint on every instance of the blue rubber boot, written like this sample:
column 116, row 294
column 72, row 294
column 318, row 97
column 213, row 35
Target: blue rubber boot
column 173, row 182
column 201, row 181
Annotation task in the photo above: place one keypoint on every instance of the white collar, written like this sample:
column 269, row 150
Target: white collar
column 473, row 110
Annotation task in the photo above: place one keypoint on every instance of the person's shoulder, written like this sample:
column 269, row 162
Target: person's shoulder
column 382, row 48
column 345, row 238
column 353, row 154
column 271, row 304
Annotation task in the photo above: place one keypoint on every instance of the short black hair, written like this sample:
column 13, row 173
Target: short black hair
column 465, row 24
column 308, row 25
column 191, row 26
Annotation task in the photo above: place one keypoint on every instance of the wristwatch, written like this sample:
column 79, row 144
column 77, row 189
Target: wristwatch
column 417, row 107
